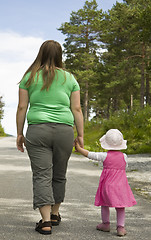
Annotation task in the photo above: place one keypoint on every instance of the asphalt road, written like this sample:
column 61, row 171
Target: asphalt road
column 79, row 215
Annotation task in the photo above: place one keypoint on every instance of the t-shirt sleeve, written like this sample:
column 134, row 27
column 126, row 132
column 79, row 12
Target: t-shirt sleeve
column 23, row 82
column 76, row 86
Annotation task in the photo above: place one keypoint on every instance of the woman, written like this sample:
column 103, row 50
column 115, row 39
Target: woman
column 54, row 98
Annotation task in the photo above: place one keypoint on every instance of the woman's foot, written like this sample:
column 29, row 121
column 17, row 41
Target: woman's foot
column 55, row 219
column 44, row 227
column 121, row 231
column 105, row 227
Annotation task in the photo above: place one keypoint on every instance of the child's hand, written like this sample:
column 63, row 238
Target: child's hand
column 77, row 146
column 80, row 149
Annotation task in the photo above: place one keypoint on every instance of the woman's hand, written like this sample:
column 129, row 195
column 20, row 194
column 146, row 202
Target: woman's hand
column 80, row 141
column 80, row 149
column 77, row 146
column 20, row 142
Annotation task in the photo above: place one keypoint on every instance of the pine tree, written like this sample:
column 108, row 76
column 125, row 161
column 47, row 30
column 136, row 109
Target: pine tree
column 126, row 38
column 81, row 46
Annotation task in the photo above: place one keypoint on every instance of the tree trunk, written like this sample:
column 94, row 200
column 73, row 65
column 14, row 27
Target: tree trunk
column 142, row 89
column 108, row 108
column 86, row 95
column 131, row 101
column 147, row 85
column 147, row 89
column 115, row 104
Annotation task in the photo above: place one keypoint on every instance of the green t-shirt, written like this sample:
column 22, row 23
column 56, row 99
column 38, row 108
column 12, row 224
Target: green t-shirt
column 52, row 105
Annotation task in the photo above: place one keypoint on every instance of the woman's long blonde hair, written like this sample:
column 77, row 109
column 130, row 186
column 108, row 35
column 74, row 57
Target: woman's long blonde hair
column 48, row 59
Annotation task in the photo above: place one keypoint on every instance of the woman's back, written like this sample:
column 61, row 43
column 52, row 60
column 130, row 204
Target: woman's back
column 52, row 105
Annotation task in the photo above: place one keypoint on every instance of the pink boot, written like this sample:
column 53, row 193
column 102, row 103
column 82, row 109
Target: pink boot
column 105, row 227
column 121, row 231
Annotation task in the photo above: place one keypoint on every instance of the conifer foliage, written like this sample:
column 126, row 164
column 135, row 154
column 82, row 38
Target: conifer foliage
column 110, row 55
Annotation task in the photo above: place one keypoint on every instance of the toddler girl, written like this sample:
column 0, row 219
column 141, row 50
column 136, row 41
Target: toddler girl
column 113, row 189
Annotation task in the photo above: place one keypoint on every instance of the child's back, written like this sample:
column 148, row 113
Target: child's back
column 115, row 160
column 113, row 189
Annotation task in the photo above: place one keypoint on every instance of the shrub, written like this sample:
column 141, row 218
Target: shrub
column 135, row 126
column 2, row 133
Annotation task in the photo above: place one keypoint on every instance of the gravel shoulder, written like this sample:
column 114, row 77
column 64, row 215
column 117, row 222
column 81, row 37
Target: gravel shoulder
column 139, row 174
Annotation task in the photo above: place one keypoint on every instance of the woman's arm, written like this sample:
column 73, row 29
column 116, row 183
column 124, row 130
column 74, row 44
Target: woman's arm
column 20, row 117
column 78, row 116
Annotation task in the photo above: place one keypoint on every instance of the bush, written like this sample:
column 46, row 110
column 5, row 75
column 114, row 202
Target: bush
column 2, row 133
column 135, row 126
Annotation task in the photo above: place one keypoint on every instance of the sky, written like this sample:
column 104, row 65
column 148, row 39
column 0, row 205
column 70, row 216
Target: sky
column 24, row 26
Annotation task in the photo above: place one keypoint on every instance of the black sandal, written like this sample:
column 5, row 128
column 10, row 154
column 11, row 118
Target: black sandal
column 55, row 220
column 41, row 225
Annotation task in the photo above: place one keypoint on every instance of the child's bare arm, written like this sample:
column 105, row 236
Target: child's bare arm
column 81, row 150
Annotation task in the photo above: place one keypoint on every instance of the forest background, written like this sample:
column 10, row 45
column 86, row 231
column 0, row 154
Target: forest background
column 110, row 55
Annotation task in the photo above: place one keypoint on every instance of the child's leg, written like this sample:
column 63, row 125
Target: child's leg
column 105, row 225
column 120, row 221
column 105, row 213
column 120, row 213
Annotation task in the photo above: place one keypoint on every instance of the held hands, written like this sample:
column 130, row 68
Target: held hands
column 78, row 143
column 20, row 142
column 77, row 146
column 80, row 148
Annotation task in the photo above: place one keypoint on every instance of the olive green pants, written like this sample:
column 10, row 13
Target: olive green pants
column 49, row 147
